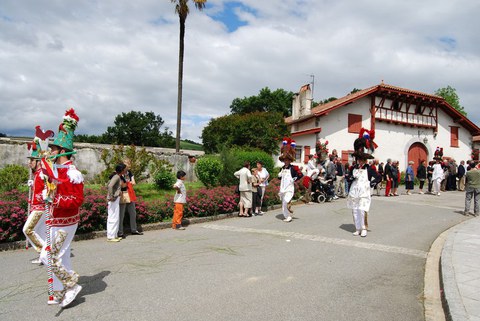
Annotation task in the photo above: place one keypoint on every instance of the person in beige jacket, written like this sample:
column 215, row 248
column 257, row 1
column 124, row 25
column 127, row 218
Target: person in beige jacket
column 245, row 188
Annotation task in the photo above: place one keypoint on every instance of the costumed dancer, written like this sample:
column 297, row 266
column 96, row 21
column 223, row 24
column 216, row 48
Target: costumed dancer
column 359, row 197
column 64, row 197
column 288, row 175
column 34, row 228
column 438, row 173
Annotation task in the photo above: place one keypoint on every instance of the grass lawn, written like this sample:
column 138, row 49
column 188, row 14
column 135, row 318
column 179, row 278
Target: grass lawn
column 149, row 192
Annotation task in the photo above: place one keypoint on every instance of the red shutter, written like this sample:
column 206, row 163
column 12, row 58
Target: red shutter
column 345, row 155
column 307, row 152
column 354, row 123
column 453, row 136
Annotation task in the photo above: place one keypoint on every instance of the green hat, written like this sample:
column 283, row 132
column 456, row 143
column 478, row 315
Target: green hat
column 66, row 130
column 39, row 145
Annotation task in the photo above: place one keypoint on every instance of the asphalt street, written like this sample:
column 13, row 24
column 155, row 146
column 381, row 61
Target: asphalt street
column 258, row 268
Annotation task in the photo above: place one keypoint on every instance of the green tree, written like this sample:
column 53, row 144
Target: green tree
column 327, row 100
column 260, row 130
column 451, row 97
column 140, row 129
column 266, row 101
column 181, row 8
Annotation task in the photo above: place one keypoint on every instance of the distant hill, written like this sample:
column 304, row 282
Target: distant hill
column 190, row 145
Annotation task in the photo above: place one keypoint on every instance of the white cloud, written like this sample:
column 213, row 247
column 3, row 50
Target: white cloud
column 107, row 57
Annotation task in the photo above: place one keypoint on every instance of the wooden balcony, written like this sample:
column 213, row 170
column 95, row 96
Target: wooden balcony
column 405, row 118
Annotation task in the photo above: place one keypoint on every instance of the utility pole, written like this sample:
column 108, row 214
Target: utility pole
column 313, row 83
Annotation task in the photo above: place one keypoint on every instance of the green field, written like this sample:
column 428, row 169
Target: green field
column 190, row 146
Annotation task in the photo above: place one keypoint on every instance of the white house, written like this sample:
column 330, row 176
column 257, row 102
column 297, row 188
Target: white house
column 408, row 124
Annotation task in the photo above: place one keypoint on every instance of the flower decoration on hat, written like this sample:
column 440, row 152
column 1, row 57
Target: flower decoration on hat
column 66, row 130
column 364, row 146
column 321, row 150
column 39, row 145
column 287, row 151
column 438, row 154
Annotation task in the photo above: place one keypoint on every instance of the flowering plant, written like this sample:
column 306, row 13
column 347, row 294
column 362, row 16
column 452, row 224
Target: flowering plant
column 321, row 150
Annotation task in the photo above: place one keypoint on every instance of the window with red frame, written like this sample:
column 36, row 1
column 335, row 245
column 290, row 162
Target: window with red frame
column 354, row 123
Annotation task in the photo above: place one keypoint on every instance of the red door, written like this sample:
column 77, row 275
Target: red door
column 416, row 153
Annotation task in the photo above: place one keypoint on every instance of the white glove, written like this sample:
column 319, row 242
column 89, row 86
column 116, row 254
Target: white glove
column 30, row 182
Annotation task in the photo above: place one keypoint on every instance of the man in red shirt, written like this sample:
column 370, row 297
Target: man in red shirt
column 65, row 201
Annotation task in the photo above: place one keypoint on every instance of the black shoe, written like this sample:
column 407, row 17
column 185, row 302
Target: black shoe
column 123, row 236
column 137, row 233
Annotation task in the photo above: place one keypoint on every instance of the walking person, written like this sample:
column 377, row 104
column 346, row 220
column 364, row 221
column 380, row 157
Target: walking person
column 179, row 200
column 409, row 178
column 359, row 197
column 288, row 175
column 64, row 203
column 421, row 175
column 34, row 228
column 472, row 190
column 245, row 188
column 127, row 201
column 113, row 200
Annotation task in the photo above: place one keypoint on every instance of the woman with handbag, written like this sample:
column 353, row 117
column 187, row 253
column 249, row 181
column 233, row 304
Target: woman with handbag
column 127, row 201
column 113, row 199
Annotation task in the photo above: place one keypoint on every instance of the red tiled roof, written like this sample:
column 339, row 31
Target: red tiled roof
column 350, row 98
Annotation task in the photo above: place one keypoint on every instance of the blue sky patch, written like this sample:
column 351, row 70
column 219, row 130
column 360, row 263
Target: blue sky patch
column 229, row 15
column 448, row 42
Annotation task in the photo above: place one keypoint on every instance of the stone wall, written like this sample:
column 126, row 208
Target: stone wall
column 87, row 159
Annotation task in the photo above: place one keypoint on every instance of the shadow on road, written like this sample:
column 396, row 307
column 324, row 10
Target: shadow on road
column 348, row 227
column 90, row 285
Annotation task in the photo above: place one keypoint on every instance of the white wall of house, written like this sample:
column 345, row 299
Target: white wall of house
column 394, row 140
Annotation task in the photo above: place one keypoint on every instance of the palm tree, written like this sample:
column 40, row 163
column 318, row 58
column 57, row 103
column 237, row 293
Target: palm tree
column 181, row 8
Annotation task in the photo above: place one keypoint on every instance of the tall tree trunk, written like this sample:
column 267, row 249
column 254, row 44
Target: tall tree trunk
column 180, row 83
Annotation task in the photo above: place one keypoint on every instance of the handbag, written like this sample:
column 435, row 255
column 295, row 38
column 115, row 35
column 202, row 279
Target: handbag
column 131, row 193
column 237, row 189
column 125, row 198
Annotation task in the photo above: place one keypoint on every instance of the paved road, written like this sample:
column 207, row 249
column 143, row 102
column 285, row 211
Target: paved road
column 250, row 268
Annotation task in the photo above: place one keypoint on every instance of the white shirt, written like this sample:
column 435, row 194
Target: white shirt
column 437, row 171
column 263, row 174
column 180, row 198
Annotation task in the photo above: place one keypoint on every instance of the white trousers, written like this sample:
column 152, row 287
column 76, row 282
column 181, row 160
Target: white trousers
column 359, row 219
column 113, row 218
column 436, row 185
column 286, row 198
column 63, row 275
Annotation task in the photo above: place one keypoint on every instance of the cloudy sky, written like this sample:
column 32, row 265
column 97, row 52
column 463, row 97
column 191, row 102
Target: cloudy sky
column 104, row 57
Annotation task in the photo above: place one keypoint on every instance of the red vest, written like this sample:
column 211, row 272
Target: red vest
column 68, row 198
column 36, row 202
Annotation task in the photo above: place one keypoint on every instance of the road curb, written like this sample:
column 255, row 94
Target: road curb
column 452, row 301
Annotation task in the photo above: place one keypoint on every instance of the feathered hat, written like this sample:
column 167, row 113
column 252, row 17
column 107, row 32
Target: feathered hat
column 66, row 130
column 364, row 146
column 39, row 145
column 287, row 151
column 321, row 150
column 438, row 154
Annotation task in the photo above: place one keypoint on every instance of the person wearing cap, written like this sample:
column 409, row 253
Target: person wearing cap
column 34, row 228
column 65, row 204
column 409, row 177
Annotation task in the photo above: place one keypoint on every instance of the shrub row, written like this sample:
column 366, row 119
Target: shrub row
column 93, row 212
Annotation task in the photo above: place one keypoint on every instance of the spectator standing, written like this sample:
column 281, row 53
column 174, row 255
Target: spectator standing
column 452, row 176
column 429, row 175
column 264, row 176
column 256, row 192
column 245, row 187
column 127, row 203
column 421, row 175
column 472, row 190
column 340, row 179
column 113, row 200
column 388, row 178
column 179, row 201
column 409, row 177
column 461, row 171
column 395, row 177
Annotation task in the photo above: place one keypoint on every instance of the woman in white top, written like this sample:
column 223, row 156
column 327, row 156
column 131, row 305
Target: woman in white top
column 437, row 176
column 263, row 175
